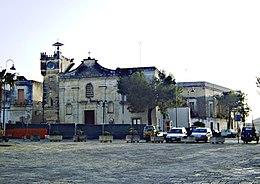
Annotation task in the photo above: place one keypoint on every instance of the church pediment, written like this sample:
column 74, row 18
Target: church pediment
column 88, row 71
column 89, row 68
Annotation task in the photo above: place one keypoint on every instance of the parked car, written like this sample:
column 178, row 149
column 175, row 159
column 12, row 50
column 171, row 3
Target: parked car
column 176, row 134
column 202, row 134
column 216, row 133
column 249, row 134
column 190, row 130
column 149, row 131
column 229, row 133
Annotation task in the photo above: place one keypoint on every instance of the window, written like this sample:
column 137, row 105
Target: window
column 89, row 91
column 50, row 102
column 136, row 121
column 110, row 107
column 20, row 95
column 192, row 106
column 211, row 109
column 192, row 103
column 211, row 125
column 68, row 109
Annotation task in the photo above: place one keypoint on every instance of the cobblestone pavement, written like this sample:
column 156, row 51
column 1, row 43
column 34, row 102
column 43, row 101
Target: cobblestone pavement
column 120, row 162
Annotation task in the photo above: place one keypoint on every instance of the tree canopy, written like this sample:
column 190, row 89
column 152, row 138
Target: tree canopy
column 232, row 101
column 7, row 78
column 258, row 82
column 143, row 94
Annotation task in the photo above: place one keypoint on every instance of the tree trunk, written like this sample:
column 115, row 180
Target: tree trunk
column 229, row 119
column 228, row 123
column 150, row 116
column 1, row 91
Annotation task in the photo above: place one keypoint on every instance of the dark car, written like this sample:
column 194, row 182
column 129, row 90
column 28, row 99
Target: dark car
column 249, row 134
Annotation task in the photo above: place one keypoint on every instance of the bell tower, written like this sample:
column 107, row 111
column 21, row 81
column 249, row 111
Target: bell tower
column 51, row 67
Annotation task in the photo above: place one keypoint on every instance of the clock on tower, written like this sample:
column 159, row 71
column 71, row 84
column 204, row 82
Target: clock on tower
column 51, row 65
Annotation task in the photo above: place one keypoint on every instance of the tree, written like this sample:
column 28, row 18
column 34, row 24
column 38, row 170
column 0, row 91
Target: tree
column 199, row 124
column 6, row 79
column 258, row 82
column 146, row 95
column 232, row 101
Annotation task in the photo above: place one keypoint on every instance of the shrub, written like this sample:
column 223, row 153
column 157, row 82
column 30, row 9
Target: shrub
column 79, row 132
column 56, row 132
column 199, row 124
column 106, row 133
column 133, row 131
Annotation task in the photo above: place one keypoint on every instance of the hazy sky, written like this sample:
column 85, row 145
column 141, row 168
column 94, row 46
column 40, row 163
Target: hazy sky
column 214, row 41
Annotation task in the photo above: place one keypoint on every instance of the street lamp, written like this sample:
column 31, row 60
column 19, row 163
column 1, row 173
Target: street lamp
column 103, row 118
column 237, row 119
column 192, row 90
column 176, row 106
column 4, row 94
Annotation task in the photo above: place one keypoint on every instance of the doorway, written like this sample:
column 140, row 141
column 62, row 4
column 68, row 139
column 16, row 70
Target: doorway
column 89, row 117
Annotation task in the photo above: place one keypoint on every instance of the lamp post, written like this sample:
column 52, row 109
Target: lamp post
column 104, row 104
column 237, row 119
column 188, row 104
column 176, row 106
column 4, row 94
column 103, row 118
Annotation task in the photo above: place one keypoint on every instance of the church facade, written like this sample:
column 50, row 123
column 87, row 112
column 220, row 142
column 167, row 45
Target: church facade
column 87, row 94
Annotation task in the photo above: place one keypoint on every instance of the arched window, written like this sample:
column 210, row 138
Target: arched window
column 50, row 102
column 89, row 91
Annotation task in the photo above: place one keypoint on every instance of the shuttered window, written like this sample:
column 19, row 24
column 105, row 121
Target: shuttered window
column 89, row 91
column 20, row 95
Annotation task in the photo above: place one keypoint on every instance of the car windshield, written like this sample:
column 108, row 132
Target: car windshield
column 200, row 130
column 247, row 128
column 148, row 128
column 179, row 131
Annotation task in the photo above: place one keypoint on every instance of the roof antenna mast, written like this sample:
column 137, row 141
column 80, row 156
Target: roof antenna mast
column 140, row 44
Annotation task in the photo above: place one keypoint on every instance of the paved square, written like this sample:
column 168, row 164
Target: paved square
column 121, row 162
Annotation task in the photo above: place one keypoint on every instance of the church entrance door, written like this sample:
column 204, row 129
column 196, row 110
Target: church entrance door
column 89, row 117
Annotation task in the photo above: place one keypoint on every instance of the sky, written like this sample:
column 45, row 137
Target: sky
column 216, row 41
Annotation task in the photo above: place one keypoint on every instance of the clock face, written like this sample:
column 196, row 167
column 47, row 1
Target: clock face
column 51, row 65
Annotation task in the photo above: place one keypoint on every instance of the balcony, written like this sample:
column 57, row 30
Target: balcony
column 19, row 103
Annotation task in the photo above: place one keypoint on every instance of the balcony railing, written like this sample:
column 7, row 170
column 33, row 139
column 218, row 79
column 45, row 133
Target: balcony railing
column 20, row 103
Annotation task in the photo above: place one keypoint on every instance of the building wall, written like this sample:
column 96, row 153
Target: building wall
column 51, row 67
column 37, row 91
column 25, row 111
column 105, row 89
column 205, row 105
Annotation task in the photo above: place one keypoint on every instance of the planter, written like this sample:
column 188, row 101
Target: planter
column 132, row 138
column 55, row 138
column 157, row 139
column 35, row 137
column 79, row 138
column 105, row 138
column 217, row 140
column 189, row 139
column 4, row 139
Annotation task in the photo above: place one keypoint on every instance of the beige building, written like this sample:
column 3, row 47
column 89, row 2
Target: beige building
column 200, row 98
column 87, row 94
